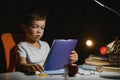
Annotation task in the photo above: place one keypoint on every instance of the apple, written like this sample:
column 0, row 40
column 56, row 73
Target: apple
column 103, row 50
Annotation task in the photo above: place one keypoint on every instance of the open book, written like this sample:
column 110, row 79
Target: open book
column 59, row 53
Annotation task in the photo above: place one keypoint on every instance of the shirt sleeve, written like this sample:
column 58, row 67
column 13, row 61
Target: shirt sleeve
column 21, row 50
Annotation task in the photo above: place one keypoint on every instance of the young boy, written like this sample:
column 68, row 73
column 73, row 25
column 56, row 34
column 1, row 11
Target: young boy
column 32, row 52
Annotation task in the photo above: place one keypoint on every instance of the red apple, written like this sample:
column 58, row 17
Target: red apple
column 103, row 50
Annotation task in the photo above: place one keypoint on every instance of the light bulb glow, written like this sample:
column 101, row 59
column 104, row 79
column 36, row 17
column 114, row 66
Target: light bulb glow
column 89, row 43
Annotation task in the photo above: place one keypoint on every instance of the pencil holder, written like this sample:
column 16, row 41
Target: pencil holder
column 71, row 69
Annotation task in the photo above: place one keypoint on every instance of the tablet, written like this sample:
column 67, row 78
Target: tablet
column 59, row 54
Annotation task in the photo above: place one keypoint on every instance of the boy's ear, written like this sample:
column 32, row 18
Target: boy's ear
column 24, row 27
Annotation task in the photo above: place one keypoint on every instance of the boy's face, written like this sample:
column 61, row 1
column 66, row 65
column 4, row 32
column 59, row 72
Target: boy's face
column 35, row 30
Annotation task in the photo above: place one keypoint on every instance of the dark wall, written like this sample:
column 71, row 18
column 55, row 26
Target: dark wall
column 66, row 18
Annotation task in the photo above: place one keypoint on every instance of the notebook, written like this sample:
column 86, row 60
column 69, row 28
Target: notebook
column 59, row 54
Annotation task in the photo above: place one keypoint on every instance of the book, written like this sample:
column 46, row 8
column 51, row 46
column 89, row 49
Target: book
column 52, row 72
column 59, row 54
column 97, row 60
column 111, row 68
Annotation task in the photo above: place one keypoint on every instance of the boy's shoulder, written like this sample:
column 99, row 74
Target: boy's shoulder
column 25, row 43
column 22, row 43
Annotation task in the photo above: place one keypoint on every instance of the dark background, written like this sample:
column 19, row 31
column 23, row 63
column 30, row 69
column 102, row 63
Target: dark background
column 80, row 19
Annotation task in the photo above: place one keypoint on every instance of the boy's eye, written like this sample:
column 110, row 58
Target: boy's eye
column 35, row 26
column 42, row 27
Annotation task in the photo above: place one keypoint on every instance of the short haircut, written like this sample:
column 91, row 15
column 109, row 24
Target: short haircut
column 31, row 13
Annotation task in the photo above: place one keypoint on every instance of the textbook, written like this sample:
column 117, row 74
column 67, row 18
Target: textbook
column 59, row 54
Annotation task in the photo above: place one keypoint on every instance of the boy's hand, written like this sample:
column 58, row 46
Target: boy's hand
column 38, row 68
column 34, row 67
column 73, row 57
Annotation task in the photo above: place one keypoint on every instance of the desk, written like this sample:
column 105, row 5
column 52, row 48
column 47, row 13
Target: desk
column 22, row 76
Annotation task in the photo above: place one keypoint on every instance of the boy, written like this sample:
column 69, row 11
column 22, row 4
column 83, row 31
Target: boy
column 32, row 52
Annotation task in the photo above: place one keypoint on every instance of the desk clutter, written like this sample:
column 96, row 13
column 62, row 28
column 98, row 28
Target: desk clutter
column 85, row 72
column 103, row 62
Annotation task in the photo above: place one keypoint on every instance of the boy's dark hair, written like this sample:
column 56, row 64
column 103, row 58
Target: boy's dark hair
column 32, row 13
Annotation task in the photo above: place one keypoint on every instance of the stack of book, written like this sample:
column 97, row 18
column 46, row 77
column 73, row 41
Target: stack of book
column 97, row 60
column 102, row 61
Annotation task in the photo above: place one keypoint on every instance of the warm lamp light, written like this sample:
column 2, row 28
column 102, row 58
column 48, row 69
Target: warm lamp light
column 89, row 43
